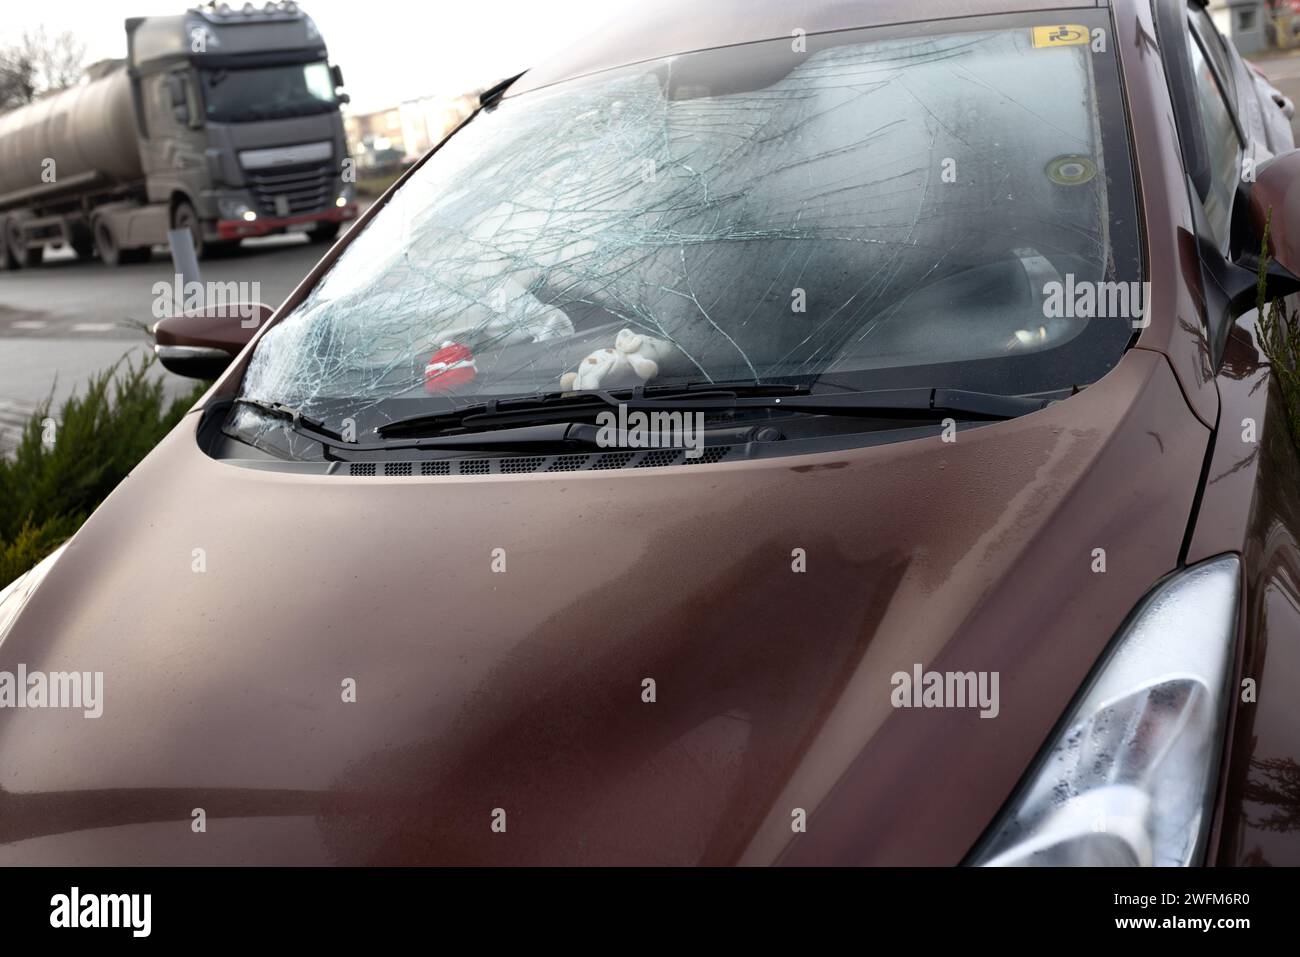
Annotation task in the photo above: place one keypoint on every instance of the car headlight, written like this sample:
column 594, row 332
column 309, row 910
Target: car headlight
column 1129, row 779
column 233, row 209
column 14, row 595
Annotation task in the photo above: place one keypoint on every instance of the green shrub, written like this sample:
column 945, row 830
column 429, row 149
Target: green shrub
column 46, row 491
column 1279, row 339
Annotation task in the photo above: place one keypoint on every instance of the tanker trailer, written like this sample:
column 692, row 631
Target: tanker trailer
column 65, row 154
column 221, row 121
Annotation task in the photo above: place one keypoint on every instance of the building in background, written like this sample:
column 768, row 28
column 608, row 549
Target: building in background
column 375, row 139
column 387, row 139
column 1243, row 22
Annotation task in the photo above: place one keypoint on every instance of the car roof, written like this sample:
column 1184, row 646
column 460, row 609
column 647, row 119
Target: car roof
column 669, row 27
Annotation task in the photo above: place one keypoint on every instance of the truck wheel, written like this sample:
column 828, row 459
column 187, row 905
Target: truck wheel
column 184, row 217
column 105, row 245
column 324, row 233
column 110, row 254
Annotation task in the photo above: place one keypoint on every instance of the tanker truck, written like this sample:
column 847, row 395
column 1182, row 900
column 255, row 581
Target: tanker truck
column 222, row 121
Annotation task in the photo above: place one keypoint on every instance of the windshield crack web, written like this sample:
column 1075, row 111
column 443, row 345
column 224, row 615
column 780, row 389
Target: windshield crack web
column 674, row 200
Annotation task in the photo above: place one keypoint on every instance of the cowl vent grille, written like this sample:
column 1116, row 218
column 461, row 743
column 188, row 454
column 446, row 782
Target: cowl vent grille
column 519, row 465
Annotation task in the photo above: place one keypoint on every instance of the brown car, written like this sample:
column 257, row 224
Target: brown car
column 753, row 437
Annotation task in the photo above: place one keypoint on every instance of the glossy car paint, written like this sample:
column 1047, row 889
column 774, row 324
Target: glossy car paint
column 212, row 327
column 1250, row 505
column 523, row 691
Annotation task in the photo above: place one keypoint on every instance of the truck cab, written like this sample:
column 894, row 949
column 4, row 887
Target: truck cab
column 240, row 130
column 221, row 121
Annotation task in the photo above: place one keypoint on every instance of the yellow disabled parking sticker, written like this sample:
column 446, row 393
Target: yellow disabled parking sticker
column 1064, row 35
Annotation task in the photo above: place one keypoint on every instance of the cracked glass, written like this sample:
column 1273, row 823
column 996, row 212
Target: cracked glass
column 879, row 209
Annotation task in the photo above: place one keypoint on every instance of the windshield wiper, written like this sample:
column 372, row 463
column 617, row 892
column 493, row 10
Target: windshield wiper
column 566, row 406
column 547, row 435
column 300, row 423
column 927, row 404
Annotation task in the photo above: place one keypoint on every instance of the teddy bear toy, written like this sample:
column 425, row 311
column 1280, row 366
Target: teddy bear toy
column 634, row 359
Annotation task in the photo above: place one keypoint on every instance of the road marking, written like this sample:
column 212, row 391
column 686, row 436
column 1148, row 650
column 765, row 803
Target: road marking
column 94, row 327
column 29, row 324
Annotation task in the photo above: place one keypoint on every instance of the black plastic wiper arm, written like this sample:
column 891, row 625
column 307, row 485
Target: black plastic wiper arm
column 928, row 403
column 884, row 403
column 312, row 428
column 563, row 406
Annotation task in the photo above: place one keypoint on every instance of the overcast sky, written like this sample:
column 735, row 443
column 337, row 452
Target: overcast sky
column 390, row 50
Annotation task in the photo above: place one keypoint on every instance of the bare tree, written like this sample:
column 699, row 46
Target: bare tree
column 17, row 78
column 39, row 64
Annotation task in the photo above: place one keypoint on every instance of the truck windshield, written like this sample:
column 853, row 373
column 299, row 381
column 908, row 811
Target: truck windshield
column 264, row 93
column 882, row 209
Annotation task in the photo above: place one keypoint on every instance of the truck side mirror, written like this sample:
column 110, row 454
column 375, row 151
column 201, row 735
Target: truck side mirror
column 336, row 74
column 201, row 343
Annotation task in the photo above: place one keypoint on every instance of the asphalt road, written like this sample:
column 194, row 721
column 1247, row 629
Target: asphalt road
column 65, row 320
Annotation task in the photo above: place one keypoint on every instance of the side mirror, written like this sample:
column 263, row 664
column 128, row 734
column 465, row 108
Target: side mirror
column 1274, row 202
column 1271, row 203
column 202, row 343
column 336, row 74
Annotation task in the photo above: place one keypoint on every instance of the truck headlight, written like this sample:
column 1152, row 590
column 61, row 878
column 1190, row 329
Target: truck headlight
column 235, row 209
column 1129, row 779
column 14, row 595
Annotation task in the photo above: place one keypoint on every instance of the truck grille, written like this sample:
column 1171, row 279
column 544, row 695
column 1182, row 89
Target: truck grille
column 308, row 187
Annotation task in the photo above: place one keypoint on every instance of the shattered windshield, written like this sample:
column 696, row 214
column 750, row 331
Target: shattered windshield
column 876, row 208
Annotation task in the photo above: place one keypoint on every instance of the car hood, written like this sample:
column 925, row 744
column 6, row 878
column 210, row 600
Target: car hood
column 597, row 667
